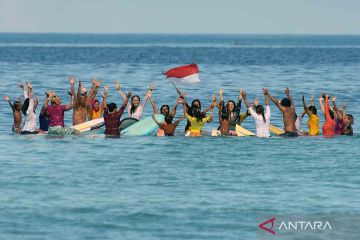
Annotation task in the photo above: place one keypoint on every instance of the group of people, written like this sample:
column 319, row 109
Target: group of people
column 87, row 107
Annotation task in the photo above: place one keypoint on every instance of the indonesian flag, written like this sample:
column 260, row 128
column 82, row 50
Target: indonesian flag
column 188, row 74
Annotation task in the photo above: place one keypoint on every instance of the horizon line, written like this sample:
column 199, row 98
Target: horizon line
column 184, row 33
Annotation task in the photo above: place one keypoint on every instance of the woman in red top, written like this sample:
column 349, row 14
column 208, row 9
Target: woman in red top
column 112, row 115
column 329, row 126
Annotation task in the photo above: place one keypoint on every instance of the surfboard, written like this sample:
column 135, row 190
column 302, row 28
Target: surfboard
column 215, row 133
column 127, row 122
column 276, row 130
column 242, row 132
column 86, row 126
column 143, row 127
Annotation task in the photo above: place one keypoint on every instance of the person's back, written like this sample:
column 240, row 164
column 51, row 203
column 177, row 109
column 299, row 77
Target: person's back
column 313, row 124
column 30, row 117
column 328, row 127
column 56, row 115
column 112, row 119
column 262, row 121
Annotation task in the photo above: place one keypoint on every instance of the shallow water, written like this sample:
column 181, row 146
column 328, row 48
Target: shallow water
column 90, row 187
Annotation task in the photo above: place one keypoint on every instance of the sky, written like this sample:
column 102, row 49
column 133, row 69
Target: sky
column 182, row 16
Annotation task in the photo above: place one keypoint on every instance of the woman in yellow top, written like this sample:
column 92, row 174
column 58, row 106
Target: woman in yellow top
column 95, row 111
column 198, row 120
column 313, row 122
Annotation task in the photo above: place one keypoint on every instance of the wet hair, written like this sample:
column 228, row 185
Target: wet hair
column 260, row 110
column 285, row 102
column 165, row 106
column 332, row 114
column 168, row 117
column 197, row 114
column 16, row 104
column 227, row 105
column 25, row 106
column 111, row 107
column 133, row 108
column 193, row 102
column 313, row 109
column 351, row 118
column 225, row 112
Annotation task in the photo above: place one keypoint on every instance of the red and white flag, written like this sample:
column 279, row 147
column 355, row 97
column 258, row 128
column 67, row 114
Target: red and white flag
column 188, row 74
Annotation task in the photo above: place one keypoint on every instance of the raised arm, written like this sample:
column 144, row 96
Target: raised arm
column 46, row 102
column 22, row 87
column 243, row 93
column 153, row 117
column 321, row 99
column 93, row 92
column 266, row 93
column 7, row 99
column 72, row 84
column 117, row 86
column 153, row 105
column 287, row 93
column 327, row 108
column 105, row 95
column 306, row 109
column 337, row 111
column 173, row 111
column 277, row 103
column 30, row 89
column 148, row 95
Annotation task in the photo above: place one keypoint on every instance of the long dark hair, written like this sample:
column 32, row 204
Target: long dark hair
column 260, row 110
column 168, row 117
column 133, row 108
column 225, row 111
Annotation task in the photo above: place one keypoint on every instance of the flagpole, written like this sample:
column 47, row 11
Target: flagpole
column 177, row 89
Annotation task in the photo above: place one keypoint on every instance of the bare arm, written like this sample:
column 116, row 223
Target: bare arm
column 322, row 104
column 337, row 111
column 6, row 98
column 266, row 93
column 173, row 111
column 153, row 117
column 306, row 109
column 276, row 101
column 46, row 102
column 153, row 105
column 117, row 86
column 287, row 93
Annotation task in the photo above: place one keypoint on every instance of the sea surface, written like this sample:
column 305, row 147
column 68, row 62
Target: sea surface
column 92, row 187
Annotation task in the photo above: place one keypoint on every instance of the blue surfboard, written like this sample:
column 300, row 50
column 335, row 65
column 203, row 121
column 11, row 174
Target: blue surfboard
column 143, row 127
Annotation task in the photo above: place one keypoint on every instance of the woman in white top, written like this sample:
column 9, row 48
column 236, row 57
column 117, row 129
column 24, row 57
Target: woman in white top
column 262, row 119
column 134, row 108
column 28, row 110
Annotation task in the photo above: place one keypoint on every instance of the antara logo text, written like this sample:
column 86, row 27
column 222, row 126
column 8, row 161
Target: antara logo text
column 270, row 226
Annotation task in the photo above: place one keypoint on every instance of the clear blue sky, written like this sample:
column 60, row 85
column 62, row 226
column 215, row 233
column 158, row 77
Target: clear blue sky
column 181, row 16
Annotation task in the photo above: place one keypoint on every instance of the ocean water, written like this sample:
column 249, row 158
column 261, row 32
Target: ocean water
column 90, row 187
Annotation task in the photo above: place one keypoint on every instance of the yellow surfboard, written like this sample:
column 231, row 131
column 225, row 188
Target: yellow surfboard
column 86, row 126
column 276, row 130
column 242, row 132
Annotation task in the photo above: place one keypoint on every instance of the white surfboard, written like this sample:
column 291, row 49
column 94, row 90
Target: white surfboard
column 86, row 126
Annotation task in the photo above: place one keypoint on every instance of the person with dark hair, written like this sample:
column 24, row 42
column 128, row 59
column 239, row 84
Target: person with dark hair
column 348, row 121
column 135, row 109
column 112, row 115
column 82, row 100
column 16, row 107
column 261, row 117
column 328, row 127
column 44, row 117
column 229, row 114
column 313, row 122
column 166, row 128
column 197, row 119
column 286, row 106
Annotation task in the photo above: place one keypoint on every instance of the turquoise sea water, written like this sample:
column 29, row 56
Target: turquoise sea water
column 89, row 187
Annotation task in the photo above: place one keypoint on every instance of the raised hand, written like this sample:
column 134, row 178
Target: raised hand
column 312, row 99
column 303, row 98
column 287, row 91
column 117, row 85
column 333, row 99
column 152, row 86
column 93, row 81
column 265, row 91
column 21, row 85
column 106, row 89
column 221, row 91
column 243, row 93
column 84, row 90
column 98, row 83
column 128, row 95
column 256, row 102
column 28, row 85
column 149, row 94
column 72, row 80
column 6, row 98
column 344, row 105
